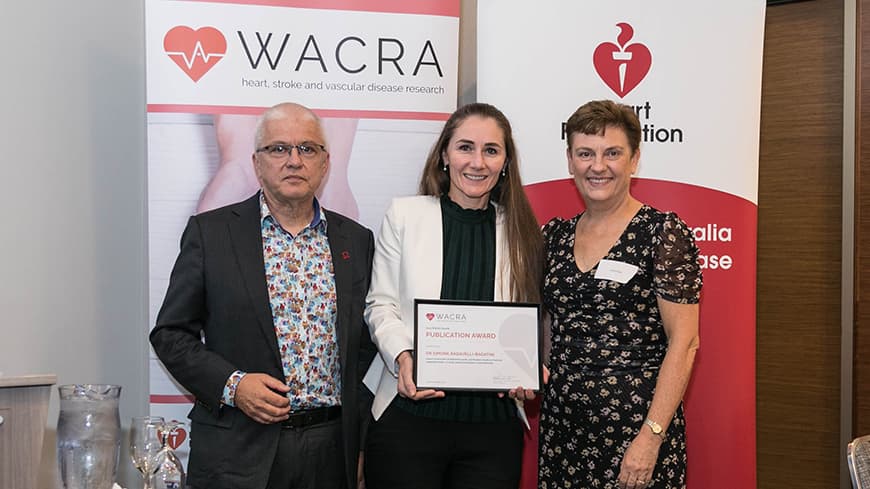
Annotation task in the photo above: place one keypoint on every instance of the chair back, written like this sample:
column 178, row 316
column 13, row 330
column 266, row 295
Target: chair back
column 858, row 459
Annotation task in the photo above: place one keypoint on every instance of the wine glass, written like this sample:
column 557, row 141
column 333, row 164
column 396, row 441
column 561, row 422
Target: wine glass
column 170, row 471
column 145, row 444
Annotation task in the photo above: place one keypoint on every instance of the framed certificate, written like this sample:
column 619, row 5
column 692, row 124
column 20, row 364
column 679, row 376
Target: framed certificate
column 483, row 346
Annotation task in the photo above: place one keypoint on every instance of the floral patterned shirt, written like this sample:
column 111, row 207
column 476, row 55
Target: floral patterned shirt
column 301, row 284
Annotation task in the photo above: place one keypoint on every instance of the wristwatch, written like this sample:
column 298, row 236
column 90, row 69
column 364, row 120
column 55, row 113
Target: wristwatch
column 655, row 428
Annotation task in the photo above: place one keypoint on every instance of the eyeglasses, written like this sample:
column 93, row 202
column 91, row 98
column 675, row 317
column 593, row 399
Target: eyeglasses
column 280, row 152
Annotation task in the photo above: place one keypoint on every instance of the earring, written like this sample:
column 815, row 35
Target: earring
column 504, row 170
column 444, row 167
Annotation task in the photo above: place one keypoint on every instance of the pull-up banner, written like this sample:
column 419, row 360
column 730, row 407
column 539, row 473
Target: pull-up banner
column 339, row 59
column 380, row 74
column 692, row 72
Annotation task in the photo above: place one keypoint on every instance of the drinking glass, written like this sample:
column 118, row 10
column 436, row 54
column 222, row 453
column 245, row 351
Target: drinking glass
column 145, row 444
column 170, row 471
column 88, row 435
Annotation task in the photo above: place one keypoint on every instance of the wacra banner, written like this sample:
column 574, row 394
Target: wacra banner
column 381, row 74
column 692, row 73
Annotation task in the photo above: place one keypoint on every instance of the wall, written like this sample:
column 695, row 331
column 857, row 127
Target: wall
column 72, row 153
column 861, row 396
column 799, row 247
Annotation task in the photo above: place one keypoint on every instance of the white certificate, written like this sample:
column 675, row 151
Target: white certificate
column 463, row 345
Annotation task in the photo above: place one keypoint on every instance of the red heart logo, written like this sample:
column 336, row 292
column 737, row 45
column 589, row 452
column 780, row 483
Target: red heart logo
column 195, row 51
column 429, row 316
column 177, row 437
column 624, row 66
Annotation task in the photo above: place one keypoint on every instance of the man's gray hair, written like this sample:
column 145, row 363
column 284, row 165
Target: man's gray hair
column 280, row 111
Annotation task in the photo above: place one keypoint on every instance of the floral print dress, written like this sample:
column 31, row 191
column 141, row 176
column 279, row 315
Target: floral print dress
column 608, row 342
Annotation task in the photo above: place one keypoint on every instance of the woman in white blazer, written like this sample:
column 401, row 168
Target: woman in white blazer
column 470, row 235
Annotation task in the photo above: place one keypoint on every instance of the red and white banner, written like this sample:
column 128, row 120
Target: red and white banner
column 692, row 71
column 381, row 74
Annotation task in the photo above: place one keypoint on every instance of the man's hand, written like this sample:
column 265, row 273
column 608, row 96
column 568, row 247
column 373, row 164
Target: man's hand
column 262, row 397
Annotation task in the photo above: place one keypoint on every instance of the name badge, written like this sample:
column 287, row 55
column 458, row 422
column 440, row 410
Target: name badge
column 615, row 270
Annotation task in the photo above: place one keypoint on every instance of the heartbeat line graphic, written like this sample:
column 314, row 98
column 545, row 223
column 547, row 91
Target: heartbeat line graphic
column 195, row 51
column 198, row 52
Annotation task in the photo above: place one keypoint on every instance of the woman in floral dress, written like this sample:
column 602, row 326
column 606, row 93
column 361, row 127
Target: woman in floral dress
column 622, row 285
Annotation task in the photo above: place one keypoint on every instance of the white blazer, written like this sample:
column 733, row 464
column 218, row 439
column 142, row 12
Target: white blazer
column 407, row 265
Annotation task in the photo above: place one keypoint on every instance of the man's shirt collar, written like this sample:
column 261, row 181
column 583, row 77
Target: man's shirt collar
column 319, row 214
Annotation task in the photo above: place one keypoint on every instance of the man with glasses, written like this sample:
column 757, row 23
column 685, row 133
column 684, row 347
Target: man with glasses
column 262, row 323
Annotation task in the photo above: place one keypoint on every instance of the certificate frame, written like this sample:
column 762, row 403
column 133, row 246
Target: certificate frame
column 477, row 345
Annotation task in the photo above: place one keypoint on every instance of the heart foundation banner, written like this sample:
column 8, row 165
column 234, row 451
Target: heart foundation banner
column 692, row 73
column 381, row 75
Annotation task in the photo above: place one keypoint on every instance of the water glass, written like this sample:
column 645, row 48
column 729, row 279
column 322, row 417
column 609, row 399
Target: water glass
column 88, row 435
column 145, row 443
column 170, row 471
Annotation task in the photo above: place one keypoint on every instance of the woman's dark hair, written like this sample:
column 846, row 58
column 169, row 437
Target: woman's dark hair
column 522, row 233
column 596, row 116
